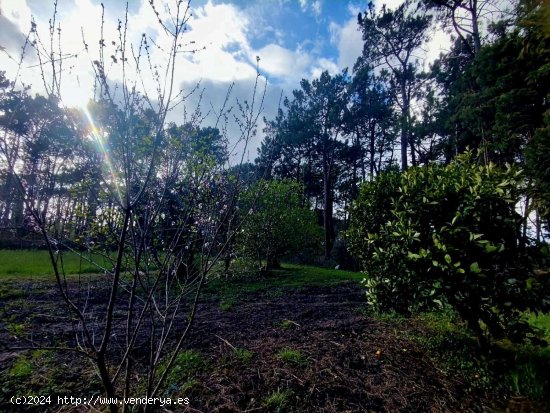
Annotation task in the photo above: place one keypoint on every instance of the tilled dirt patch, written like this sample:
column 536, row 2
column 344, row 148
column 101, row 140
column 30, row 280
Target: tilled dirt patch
column 351, row 363
column 347, row 362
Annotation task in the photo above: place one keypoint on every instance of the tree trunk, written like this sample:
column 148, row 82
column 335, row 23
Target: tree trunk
column 106, row 381
column 363, row 171
column 526, row 218
column 5, row 214
column 372, row 149
column 404, row 126
column 327, row 198
column 538, row 230
column 413, row 152
column 272, row 263
column 475, row 27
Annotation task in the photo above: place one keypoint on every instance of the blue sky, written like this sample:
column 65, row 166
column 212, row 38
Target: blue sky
column 294, row 39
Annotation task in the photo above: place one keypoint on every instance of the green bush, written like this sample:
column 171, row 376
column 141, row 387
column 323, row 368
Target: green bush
column 448, row 235
column 276, row 222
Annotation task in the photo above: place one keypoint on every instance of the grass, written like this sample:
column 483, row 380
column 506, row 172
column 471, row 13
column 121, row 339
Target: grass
column 519, row 369
column 296, row 276
column 243, row 355
column 277, row 401
column 541, row 321
column 290, row 355
column 16, row 329
column 21, row 369
column 289, row 277
column 8, row 292
column 41, row 372
column 529, row 375
column 18, row 263
column 188, row 363
column 287, row 324
column 227, row 305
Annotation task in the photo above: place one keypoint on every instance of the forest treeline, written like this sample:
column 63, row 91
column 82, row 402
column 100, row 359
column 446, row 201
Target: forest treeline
column 434, row 180
column 488, row 94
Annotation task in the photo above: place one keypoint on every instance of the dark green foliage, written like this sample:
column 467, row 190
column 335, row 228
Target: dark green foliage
column 494, row 96
column 498, row 102
column 449, row 235
column 534, row 19
column 276, row 222
column 369, row 122
column 538, row 166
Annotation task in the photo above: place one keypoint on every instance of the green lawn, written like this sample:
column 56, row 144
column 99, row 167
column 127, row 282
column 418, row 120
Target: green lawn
column 290, row 276
column 19, row 263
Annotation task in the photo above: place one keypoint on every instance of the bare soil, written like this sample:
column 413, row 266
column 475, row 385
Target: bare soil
column 349, row 362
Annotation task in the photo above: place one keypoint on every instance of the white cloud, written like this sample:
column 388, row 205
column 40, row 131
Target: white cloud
column 390, row 4
column 316, row 8
column 440, row 42
column 349, row 41
column 223, row 30
column 350, row 45
column 324, row 65
column 220, row 33
column 220, row 29
column 354, row 9
column 281, row 62
column 17, row 12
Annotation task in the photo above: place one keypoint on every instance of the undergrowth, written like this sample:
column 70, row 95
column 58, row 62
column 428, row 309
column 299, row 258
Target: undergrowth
column 508, row 369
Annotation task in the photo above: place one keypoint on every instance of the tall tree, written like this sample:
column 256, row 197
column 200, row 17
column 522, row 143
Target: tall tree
column 392, row 37
column 327, row 102
column 465, row 18
column 498, row 101
column 369, row 122
column 534, row 20
column 39, row 145
column 304, row 142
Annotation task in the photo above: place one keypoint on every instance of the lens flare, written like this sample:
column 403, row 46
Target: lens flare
column 98, row 137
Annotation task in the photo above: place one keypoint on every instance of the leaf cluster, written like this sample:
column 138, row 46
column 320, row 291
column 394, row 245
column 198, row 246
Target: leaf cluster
column 277, row 221
column 449, row 236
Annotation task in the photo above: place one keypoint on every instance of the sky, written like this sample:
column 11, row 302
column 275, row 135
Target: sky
column 293, row 39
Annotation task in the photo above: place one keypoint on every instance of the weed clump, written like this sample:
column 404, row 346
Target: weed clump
column 291, row 356
column 278, row 401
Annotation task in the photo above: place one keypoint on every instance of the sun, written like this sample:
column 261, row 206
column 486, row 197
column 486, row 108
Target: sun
column 75, row 98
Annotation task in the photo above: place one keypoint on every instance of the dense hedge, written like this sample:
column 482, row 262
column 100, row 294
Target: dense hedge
column 448, row 235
